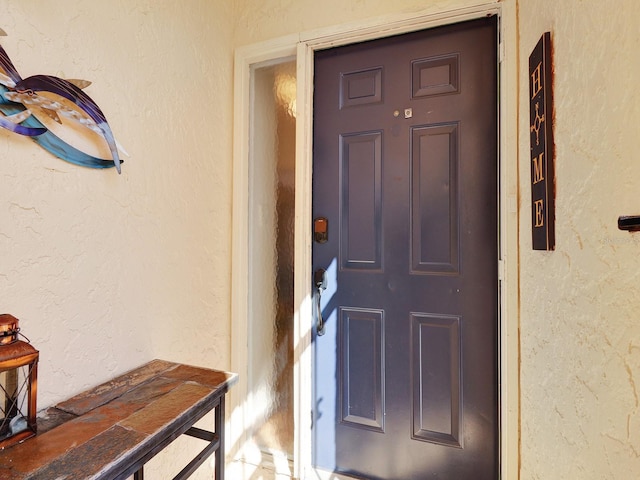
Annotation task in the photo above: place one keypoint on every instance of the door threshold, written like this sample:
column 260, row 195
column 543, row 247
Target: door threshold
column 262, row 465
column 325, row 475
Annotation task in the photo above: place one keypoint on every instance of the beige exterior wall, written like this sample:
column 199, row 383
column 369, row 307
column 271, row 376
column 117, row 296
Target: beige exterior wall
column 106, row 272
column 264, row 20
column 580, row 329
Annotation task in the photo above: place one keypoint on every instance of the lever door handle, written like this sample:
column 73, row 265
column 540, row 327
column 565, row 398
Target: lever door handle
column 320, row 282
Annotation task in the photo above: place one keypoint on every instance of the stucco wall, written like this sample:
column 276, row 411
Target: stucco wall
column 264, row 20
column 580, row 326
column 108, row 271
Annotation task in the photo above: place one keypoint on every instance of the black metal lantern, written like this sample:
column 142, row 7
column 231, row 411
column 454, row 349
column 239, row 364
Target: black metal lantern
column 18, row 384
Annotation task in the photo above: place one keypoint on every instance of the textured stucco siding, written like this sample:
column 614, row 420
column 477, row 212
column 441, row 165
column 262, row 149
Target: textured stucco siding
column 580, row 328
column 106, row 272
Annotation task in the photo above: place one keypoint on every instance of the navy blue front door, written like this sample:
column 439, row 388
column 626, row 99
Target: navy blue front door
column 405, row 186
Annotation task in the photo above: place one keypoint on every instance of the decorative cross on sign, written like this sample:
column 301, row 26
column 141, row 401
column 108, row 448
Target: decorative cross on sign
column 541, row 128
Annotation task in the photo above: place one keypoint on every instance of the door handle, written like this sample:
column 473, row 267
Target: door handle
column 320, row 282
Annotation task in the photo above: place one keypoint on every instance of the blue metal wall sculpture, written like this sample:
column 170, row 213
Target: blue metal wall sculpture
column 19, row 98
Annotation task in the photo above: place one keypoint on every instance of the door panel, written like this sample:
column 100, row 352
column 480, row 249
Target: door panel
column 437, row 379
column 434, row 209
column 405, row 172
column 361, row 350
column 361, row 208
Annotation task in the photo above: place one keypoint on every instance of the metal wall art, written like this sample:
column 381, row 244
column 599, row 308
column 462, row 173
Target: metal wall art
column 26, row 104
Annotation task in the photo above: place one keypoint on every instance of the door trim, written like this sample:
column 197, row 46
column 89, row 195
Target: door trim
column 302, row 46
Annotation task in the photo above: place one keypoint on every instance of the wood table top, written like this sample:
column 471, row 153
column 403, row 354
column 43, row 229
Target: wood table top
column 97, row 432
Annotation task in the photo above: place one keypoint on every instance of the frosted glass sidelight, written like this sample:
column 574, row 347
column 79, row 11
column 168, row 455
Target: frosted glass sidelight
column 271, row 219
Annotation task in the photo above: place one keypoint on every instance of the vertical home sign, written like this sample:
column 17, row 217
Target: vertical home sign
column 541, row 127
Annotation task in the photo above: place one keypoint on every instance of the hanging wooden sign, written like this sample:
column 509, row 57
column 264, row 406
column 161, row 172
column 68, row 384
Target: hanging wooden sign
column 541, row 127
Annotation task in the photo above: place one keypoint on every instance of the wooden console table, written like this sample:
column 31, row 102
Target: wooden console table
column 109, row 432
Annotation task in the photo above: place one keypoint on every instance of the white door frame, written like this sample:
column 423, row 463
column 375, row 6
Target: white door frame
column 302, row 46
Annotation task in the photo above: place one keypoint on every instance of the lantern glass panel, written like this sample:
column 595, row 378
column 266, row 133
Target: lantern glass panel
column 14, row 401
column 18, row 390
